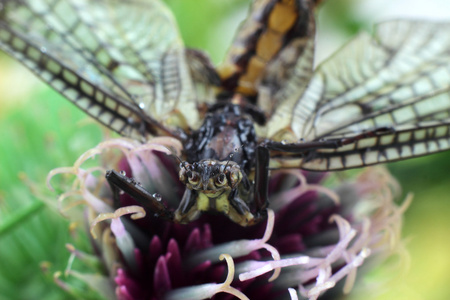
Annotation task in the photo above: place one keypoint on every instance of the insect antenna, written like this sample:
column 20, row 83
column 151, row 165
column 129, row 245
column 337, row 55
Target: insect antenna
column 173, row 153
column 182, row 163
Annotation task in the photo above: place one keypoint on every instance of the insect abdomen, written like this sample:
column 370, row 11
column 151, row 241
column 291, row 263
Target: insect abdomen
column 261, row 38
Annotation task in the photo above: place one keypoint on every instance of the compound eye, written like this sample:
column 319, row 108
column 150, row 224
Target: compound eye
column 221, row 180
column 193, row 178
column 235, row 177
column 182, row 175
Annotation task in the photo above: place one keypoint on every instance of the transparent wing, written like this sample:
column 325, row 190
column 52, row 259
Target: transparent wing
column 404, row 141
column 120, row 61
column 398, row 80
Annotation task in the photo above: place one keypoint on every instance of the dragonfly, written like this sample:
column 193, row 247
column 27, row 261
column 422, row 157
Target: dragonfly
column 381, row 98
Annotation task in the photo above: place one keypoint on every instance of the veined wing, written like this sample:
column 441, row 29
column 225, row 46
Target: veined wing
column 122, row 62
column 272, row 55
column 403, row 142
column 399, row 80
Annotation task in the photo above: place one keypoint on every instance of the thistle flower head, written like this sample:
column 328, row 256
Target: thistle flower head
column 314, row 236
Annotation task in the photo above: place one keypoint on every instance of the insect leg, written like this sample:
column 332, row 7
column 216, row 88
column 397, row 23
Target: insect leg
column 118, row 182
column 262, row 178
column 304, row 147
column 187, row 211
column 343, row 152
column 241, row 214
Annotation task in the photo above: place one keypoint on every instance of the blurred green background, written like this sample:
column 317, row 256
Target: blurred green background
column 40, row 131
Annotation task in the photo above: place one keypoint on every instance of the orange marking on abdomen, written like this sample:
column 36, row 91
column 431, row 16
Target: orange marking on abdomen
column 259, row 41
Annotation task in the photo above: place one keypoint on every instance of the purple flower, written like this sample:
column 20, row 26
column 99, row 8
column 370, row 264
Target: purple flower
column 320, row 230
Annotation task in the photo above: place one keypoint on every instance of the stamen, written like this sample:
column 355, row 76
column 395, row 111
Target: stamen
column 237, row 248
column 230, row 264
column 350, row 269
column 90, row 260
column 315, row 292
column 204, row 291
column 261, row 267
column 226, row 286
column 63, row 170
column 168, row 142
column 137, row 212
column 85, row 156
column 269, row 227
column 64, row 208
column 69, row 264
column 286, row 197
column 78, row 189
column 153, row 147
column 100, row 284
column 343, row 225
column 124, row 240
column 244, row 247
column 293, row 294
column 64, row 286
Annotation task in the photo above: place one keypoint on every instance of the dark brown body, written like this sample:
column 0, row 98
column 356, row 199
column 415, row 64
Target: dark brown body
column 226, row 134
column 271, row 39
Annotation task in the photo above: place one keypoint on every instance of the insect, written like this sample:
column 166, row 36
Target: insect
column 379, row 99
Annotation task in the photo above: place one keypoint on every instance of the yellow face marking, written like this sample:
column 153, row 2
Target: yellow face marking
column 202, row 202
column 216, row 201
column 222, row 204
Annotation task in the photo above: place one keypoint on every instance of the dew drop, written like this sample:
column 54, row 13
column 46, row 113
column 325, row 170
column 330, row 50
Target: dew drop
column 123, row 173
column 131, row 120
column 284, row 142
column 141, row 105
column 43, row 49
column 157, row 196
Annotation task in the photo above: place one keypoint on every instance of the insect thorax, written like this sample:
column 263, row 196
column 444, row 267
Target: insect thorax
column 227, row 134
